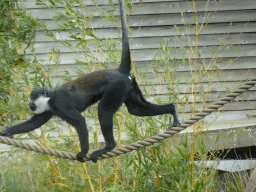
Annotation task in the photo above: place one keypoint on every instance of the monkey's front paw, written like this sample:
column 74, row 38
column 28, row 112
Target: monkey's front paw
column 4, row 133
column 80, row 156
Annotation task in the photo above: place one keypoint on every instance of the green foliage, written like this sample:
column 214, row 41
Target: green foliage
column 165, row 162
column 17, row 33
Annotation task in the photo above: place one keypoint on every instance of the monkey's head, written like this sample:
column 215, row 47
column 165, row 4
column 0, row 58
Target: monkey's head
column 40, row 100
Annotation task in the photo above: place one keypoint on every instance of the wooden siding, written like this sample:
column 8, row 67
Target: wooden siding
column 234, row 24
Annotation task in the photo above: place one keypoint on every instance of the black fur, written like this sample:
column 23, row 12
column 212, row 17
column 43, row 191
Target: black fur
column 112, row 87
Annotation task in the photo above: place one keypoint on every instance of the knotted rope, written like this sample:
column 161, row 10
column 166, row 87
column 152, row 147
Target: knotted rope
column 140, row 144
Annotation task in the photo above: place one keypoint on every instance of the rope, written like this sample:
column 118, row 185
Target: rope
column 140, row 144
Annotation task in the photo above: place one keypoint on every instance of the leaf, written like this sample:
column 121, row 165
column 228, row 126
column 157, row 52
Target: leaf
column 61, row 184
column 40, row 2
column 217, row 138
column 4, row 171
column 80, row 43
column 183, row 58
column 238, row 48
column 49, row 34
column 51, row 55
column 222, row 44
column 51, row 1
column 26, row 79
column 177, row 29
column 115, row 121
column 69, row 11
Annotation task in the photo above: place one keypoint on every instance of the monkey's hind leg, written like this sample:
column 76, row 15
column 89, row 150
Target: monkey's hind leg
column 108, row 105
column 137, row 105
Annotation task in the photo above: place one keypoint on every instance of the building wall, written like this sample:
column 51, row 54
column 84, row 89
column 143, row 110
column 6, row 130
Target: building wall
column 229, row 34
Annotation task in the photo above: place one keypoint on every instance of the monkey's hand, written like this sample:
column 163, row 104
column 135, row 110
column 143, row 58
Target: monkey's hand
column 80, row 156
column 5, row 133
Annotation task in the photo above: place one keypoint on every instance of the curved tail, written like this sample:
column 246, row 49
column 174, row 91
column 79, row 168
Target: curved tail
column 125, row 66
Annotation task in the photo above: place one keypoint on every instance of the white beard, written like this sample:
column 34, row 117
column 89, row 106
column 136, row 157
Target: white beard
column 42, row 105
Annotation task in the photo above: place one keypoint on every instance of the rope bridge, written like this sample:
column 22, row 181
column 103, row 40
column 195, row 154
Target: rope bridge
column 140, row 144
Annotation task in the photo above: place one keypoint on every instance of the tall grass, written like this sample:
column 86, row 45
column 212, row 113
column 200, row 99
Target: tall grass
column 165, row 166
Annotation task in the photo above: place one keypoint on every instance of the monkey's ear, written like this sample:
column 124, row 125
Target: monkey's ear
column 43, row 93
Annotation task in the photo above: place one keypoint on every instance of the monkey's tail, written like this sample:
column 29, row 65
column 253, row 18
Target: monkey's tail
column 125, row 66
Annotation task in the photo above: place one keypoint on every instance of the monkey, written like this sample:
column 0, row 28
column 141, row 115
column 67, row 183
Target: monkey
column 111, row 87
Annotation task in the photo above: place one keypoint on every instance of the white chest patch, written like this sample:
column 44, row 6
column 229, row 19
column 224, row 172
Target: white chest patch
column 42, row 105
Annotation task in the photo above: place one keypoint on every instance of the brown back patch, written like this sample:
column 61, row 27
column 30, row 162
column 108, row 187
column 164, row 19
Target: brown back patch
column 87, row 81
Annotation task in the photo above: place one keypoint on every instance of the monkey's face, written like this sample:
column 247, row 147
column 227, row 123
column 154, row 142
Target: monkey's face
column 39, row 100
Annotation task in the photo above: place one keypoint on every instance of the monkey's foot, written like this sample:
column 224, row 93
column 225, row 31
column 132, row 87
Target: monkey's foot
column 173, row 125
column 95, row 155
column 80, row 156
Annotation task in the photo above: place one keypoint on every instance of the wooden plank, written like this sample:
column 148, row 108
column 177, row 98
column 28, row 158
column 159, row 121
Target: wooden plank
column 206, row 64
column 201, row 6
column 228, row 125
column 211, row 28
column 219, row 89
column 234, row 106
column 238, row 134
column 183, row 77
column 161, row 31
column 149, row 54
column 224, row 76
column 178, row 66
column 209, row 98
column 30, row 4
column 154, row 42
column 170, row 19
column 221, row 117
column 188, row 99
column 205, row 52
column 161, row 8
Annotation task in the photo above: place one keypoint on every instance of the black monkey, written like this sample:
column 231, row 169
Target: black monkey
column 112, row 87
